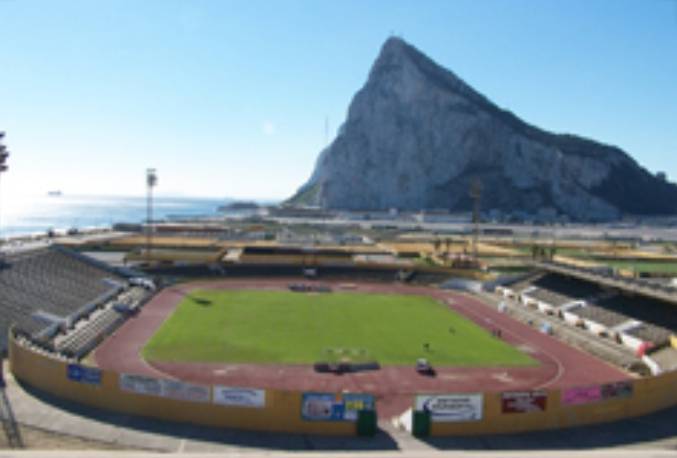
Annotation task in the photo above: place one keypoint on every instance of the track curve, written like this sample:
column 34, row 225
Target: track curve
column 560, row 365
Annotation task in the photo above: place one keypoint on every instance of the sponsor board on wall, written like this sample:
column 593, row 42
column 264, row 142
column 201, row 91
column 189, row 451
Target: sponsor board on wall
column 334, row 407
column 523, row 401
column 172, row 389
column 354, row 402
column 581, row 395
column 82, row 374
column 451, row 407
column 321, row 406
column 617, row 390
column 140, row 384
column 183, row 391
column 239, row 397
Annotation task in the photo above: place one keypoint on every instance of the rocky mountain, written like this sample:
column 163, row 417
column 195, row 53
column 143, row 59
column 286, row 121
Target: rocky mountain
column 417, row 136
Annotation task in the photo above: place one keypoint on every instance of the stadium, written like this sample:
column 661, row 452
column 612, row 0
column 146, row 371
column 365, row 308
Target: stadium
column 329, row 341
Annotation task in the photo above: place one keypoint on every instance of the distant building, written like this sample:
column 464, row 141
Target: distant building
column 442, row 216
column 299, row 212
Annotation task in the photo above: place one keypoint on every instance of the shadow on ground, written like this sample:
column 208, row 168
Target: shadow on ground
column 658, row 430
column 382, row 441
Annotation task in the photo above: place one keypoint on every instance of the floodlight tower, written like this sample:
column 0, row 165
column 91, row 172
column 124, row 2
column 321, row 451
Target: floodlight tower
column 151, row 182
column 4, row 154
column 475, row 194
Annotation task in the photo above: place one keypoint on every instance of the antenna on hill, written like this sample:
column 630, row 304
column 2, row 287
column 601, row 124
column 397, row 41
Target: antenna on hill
column 476, row 195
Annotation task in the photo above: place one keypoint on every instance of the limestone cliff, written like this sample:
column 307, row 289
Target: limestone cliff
column 416, row 136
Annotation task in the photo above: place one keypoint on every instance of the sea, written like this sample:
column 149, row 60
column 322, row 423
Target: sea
column 32, row 215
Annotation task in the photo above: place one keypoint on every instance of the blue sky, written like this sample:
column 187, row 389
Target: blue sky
column 229, row 98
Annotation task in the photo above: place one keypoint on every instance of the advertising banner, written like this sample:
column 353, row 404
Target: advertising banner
column 523, row 401
column 239, row 397
column 183, row 391
column 581, row 395
column 140, row 384
column 354, row 402
column 166, row 388
column 618, row 390
column 334, row 407
column 451, row 407
column 82, row 374
column 322, row 407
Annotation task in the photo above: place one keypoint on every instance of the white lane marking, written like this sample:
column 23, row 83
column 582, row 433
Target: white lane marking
column 560, row 366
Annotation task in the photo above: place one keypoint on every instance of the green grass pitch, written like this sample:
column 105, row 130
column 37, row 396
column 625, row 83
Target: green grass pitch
column 299, row 328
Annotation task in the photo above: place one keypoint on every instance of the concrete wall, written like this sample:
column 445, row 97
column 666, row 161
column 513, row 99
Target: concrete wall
column 571, row 318
column 281, row 413
column 652, row 365
column 630, row 341
column 595, row 327
column 544, row 307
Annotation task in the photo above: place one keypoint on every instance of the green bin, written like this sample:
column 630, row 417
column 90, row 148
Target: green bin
column 366, row 423
column 420, row 423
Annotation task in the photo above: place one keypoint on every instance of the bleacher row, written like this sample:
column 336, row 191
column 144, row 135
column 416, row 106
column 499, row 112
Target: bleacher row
column 88, row 332
column 52, row 276
column 636, row 322
column 608, row 273
column 46, row 292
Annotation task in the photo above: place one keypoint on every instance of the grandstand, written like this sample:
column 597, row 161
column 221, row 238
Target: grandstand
column 637, row 321
column 646, row 309
column 53, row 291
column 644, row 287
column 593, row 315
column 295, row 255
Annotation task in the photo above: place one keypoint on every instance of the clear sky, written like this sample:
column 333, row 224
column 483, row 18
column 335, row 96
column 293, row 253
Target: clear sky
column 229, row 98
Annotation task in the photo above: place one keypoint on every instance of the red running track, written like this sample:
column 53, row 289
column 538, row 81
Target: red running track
column 560, row 365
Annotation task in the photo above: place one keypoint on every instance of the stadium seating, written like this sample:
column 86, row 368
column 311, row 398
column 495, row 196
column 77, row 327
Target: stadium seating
column 608, row 318
column 48, row 289
column 650, row 333
column 602, row 309
column 649, row 310
column 520, row 286
column 558, row 290
column 88, row 332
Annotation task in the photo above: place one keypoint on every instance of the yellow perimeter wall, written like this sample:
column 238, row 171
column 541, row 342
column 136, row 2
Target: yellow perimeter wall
column 281, row 413
column 283, row 408
column 649, row 395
